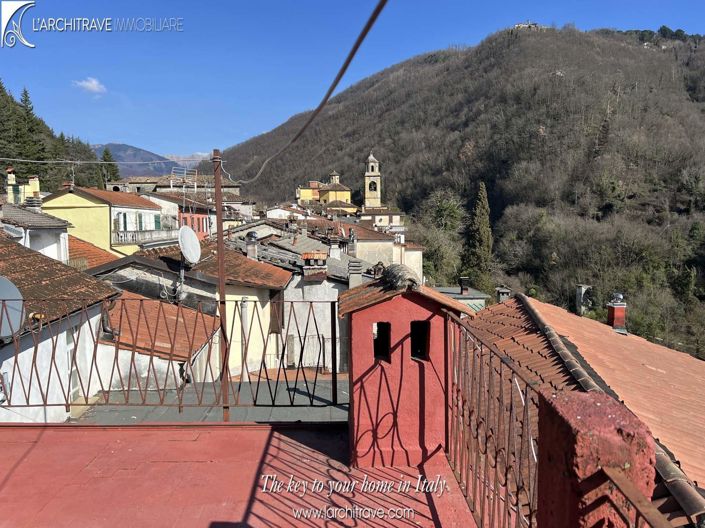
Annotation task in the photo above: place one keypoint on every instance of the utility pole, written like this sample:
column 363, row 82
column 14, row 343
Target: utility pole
column 224, row 341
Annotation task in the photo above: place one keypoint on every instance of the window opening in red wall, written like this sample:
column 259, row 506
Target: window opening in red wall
column 382, row 338
column 420, row 339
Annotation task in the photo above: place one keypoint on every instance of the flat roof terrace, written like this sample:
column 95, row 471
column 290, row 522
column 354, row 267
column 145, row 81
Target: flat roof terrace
column 212, row 475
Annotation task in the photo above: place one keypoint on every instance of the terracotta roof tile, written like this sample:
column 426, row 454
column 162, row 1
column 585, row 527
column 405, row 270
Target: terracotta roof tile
column 239, row 269
column 115, row 198
column 168, row 331
column 663, row 387
column 375, row 292
column 81, row 252
column 48, row 286
column 21, row 216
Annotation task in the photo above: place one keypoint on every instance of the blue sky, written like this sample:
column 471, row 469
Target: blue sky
column 241, row 67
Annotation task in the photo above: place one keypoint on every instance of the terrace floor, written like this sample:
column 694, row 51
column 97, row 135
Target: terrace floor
column 207, row 475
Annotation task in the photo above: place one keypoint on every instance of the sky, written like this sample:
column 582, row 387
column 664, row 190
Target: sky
column 239, row 68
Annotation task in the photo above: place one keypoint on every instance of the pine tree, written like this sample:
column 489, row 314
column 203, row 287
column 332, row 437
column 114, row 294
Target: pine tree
column 28, row 139
column 477, row 259
column 112, row 171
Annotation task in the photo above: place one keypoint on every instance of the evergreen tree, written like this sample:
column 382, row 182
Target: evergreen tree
column 477, row 259
column 28, row 139
column 112, row 171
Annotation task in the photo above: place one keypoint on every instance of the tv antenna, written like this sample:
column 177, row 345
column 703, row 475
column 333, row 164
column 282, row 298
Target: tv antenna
column 11, row 309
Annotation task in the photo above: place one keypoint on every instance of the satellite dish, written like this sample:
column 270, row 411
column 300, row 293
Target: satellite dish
column 189, row 245
column 11, row 308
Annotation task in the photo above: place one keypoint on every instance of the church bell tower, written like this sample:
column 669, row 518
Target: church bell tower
column 373, row 183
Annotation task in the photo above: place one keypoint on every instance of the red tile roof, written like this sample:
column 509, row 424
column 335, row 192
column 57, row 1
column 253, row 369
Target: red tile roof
column 361, row 233
column 114, row 198
column 81, row 251
column 663, row 387
column 376, row 292
column 49, row 287
column 513, row 332
column 168, row 331
column 554, row 348
column 239, row 269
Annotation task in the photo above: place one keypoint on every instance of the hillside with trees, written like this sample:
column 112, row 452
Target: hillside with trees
column 24, row 135
column 591, row 147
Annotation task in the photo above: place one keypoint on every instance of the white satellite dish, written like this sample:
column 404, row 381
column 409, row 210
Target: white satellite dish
column 189, row 244
column 11, row 308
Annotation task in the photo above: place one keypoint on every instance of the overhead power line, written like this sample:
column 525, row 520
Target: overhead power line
column 351, row 55
column 341, row 72
column 95, row 162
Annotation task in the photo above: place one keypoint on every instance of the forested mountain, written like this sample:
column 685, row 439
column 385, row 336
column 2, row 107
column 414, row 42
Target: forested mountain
column 591, row 147
column 24, row 135
column 122, row 153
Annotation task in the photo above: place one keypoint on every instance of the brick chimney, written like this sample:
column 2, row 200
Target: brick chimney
column 464, row 285
column 315, row 266
column 251, row 245
column 617, row 313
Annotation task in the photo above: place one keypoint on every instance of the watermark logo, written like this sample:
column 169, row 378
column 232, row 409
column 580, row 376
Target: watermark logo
column 12, row 29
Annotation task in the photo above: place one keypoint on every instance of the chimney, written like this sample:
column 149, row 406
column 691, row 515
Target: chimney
column 251, row 245
column 617, row 313
column 34, row 203
column 581, row 300
column 502, row 293
column 354, row 273
column 315, row 266
column 352, row 245
column 334, row 248
column 464, row 285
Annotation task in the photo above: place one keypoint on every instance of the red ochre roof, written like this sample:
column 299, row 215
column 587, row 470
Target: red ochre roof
column 94, row 256
column 200, row 476
column 663, row 387
column 239, row 269
column 49, row 287
column 375, row 292
column 168, row 331
column 115, row 198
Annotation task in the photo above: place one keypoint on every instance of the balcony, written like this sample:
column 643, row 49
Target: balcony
column 143, row 237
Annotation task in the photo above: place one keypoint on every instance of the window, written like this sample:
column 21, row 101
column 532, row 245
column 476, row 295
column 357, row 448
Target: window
column 140, row 222
column 157, row 222
column 373, row 186
column 420, row 336
column 382, row 338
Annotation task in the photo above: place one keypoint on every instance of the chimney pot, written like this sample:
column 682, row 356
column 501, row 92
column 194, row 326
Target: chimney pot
column 502, row 293
column 251, row 245
column 464, row 283
column 617, row 313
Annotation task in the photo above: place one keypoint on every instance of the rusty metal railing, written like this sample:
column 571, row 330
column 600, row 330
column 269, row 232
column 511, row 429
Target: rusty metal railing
column 621, row 501
column 134, row 351
column 493, row 444
column 493, row 413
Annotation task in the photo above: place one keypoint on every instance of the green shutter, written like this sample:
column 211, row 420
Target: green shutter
column 157, row 222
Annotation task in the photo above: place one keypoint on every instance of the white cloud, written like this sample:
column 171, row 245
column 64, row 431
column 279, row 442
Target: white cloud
column 91, row 85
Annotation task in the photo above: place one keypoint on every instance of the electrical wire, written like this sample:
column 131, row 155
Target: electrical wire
column 341, row 72
column 94, row 162
column 351, row 55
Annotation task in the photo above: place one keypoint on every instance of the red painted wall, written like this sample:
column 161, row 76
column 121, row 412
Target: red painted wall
column 398, row 408
column 198, row 221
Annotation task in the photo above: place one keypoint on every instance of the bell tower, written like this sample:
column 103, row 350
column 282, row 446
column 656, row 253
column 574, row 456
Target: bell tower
column 373, row 183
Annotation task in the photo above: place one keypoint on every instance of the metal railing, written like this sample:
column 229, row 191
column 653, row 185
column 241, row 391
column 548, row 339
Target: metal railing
column 621, row 501
column 493, row 414
column 140, row 237
column 132, row 351
column 493, row 444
